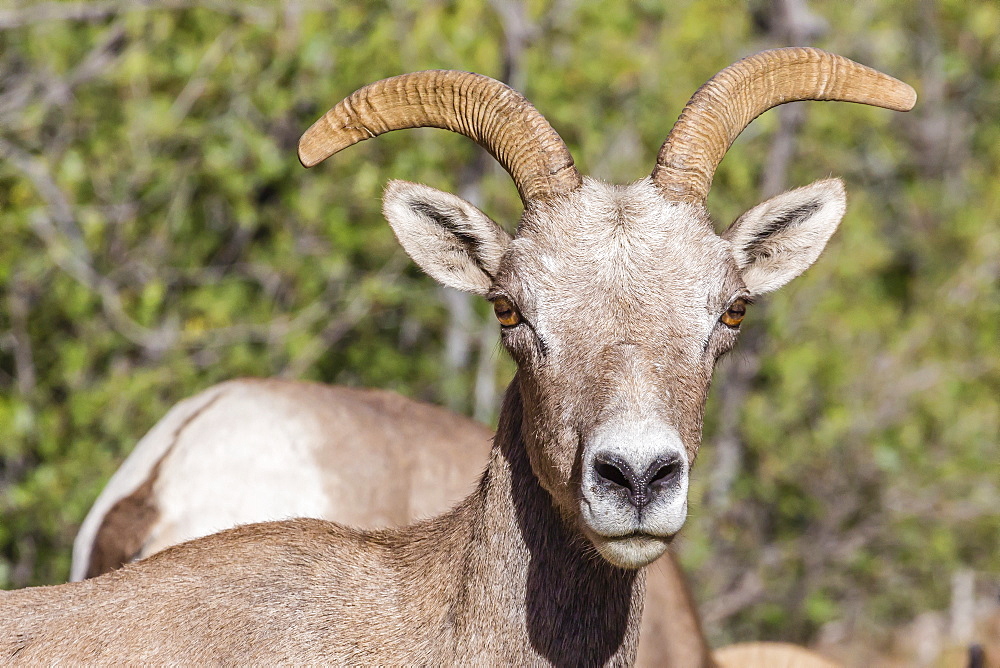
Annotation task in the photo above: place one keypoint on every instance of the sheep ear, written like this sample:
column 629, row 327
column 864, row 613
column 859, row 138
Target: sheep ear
column 453, row 241
column 776, row 241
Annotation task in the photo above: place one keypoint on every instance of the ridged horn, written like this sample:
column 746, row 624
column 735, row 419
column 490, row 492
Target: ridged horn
column 722, row 108
column 487, row 111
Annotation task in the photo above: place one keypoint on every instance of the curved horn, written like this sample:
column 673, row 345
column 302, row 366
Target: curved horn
column 721, row 109
column 491, row 113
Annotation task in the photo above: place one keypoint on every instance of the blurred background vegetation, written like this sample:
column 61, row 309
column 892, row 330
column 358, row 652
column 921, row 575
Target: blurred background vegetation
column 159, row 236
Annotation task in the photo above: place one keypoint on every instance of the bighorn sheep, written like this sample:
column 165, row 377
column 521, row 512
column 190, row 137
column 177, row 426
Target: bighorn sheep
column 614, row 301
column 251, row 450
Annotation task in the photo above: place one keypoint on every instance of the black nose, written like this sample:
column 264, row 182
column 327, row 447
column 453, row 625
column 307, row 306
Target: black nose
column 617, row 476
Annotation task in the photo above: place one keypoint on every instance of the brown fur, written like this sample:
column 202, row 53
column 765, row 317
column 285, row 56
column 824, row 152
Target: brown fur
column 124, row 529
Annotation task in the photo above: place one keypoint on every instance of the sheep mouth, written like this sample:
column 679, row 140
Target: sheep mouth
column 641, row 535
column 631, row 550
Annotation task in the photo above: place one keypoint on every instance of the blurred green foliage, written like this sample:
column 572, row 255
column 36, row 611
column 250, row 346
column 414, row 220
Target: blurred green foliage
column 159, row 236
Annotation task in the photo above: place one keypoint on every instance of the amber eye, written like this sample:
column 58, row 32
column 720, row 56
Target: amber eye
column 506, row 312
column 734, row 314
